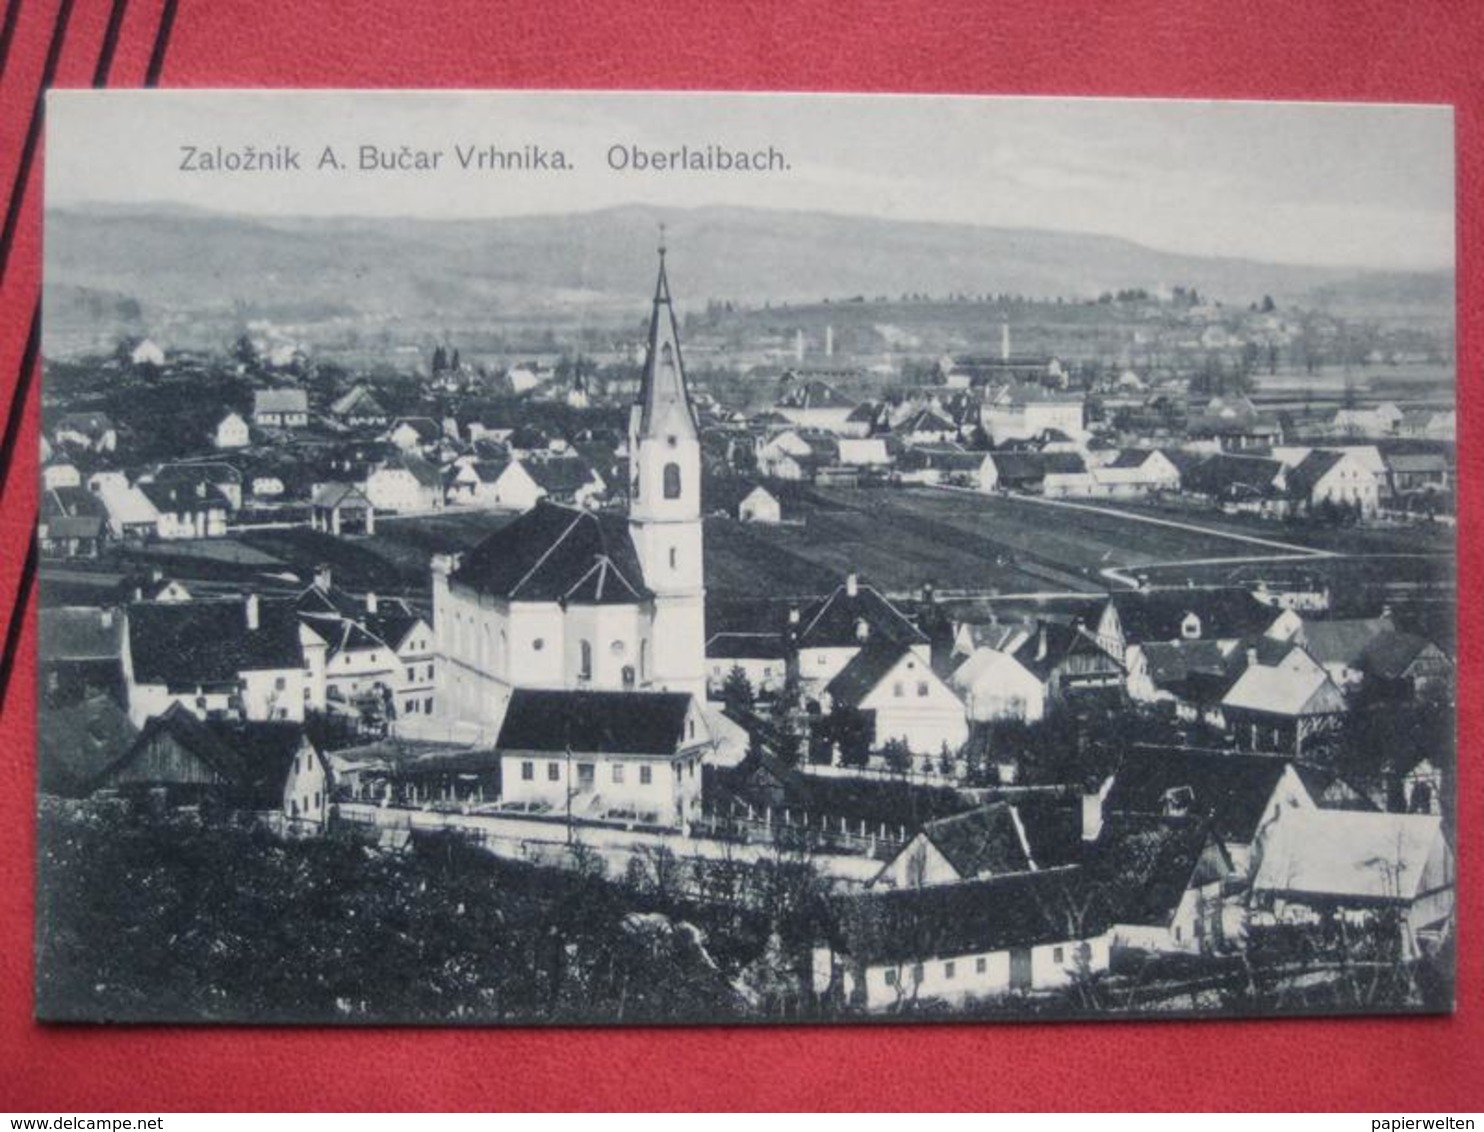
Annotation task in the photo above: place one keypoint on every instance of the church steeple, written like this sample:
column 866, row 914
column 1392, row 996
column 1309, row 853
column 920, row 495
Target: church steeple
column 663, row 408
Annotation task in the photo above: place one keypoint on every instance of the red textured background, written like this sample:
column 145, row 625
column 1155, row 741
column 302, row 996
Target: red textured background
column 1251, row 49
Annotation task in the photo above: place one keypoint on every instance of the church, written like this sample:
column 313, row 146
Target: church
column 588, row 601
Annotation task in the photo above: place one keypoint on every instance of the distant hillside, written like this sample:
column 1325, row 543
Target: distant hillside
column 596, row 267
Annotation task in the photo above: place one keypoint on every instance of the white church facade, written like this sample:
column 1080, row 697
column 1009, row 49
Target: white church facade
column 565, row 598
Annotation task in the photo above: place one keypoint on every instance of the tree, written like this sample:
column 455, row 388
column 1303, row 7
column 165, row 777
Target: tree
column 898, row 755
column 736, row 691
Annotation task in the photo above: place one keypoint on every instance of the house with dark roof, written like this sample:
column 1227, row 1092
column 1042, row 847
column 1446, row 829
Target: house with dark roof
column 79, row 653
column 1403, row 665
column 77, row 741
column 414, row 434
column 617, row 756
column 1335, row 478
column 72, row 523
column 1408, row 472
column 357, row 647
column 831, row 631
column 280, row 408
column 1165, row 881
column 811, row 402
column 1237, row 793
column 993, row 840
column 187, row 511
column 566, row 478
column 901, row 697
column 953, row 943
column 762, row 657
column 1256, row 484
column 261, row 767
column 232, row 659
column 1132, row 618
column 947, row 464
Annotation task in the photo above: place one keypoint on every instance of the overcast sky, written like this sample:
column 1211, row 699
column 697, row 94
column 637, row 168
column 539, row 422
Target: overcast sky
column 1336, row 184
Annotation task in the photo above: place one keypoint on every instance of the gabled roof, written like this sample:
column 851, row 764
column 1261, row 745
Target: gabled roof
column 618, row 723
column 941, row 921
column 1232, row 790
column 77, row 741
column 426, row 428
column 1341, row 641
column 1148, row 863
column 188, row 644
column 866, row 670
column 79, row 632
column 549, row 554
column 423, row 472
column 1228, row 476
column 1305, row 477
column 280, row 401
column 1159, row 615
column 834, row 622
column 171, row 497
column 746, row 646
column 560, row 475
column 1052, row 642
column 71, row 503
column 1389, row 655
column 358, row 401
column 340, row 495
column 1347, row 855
column 983, row 842
column 815, row 394
column 1279, row 690
column 251, row 761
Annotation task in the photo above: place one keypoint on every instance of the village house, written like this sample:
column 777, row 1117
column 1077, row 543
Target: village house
column 406, row 483
column 955, row 943
column 1287, row 707
column 494, row 484
column 358, row 408
column 1130, row 620
column 131, row 516
column 79, row 653
column 830, row 632
column 1336, row 478
column 1314, row 864
column 814, row 404
column 1408, row 472
column 341, row 509
column 187, row 511
column 603, row 755
column 901, row 697
column 567, row 479
column 1238, row 794
column 58, row 471
column 271, row 769
column 947, row 464
column 217, row 659
column 1025, row 410
column 1232, row 424
column 993, row 840
column 280, row 408
column 1054, row 473
column 1166, row 879
column 414, row 434
column 89, row 432
column 225, row 478
column 147, row 353
column 1033, row 668
column 1430, row 424
column 1255, row 484
column 762, row 657
column 71, row 523
column 1134, row 472
column 230, row 431
column 1381, row 420
column 1400, row 665
column 367, row 646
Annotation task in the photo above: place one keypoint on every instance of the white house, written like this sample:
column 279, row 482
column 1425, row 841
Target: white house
column 280, row 408
column 834, row 629
column 1025, row 411
column 230, row 432
column 406, row 483
column 956, row 943
column 905, row 699
column 1357, row 863
column 147, row 353
column 630, row 756
column 994, row 685
column 759, row 506
column 497, row 485
column 1328, row 476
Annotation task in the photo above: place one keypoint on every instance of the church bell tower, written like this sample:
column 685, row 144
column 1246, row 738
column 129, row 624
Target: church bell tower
column 665, row 506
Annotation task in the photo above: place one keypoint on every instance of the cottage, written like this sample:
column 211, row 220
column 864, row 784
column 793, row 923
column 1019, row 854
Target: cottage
column 358, row 408
column 218, row 659
column 1287, row 707
column 414, row 434
column 1027, row 409
column 1166, row 880
column 567, row 479
column 994, row 840
column 955, row 943
column 187, row 511
column 813, row 403
column 1409, row 472
column 405, row 483
column 230, row 431
column 495, row 484
column 79, row 652
column 762, row 657
column 621, row 756
column 1239, row 794
column 830, row 632
column 901, row 697
column 265, row 768
column 1319, row 863
column 1339, row 479
column 72, row 523
column 280, row 408
column 341, row 509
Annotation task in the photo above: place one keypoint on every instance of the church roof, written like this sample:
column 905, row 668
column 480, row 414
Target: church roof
column 556, row 553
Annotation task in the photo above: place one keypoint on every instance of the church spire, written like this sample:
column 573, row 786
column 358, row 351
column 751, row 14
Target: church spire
column 663, row 405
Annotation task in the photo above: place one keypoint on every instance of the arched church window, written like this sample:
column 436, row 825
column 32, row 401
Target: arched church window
column 672, row 481
column 585, row 661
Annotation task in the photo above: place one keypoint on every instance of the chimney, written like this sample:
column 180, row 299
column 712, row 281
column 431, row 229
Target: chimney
column 798, row 345
column 1041, row 641
column 370, row 602
column 1005, row 341
column 156, row 574
column 852, row 585
column 829, row 341
column 793, row 615
column 250, row 606
column 201, row 490
column 1092, row 811
column 105, row 618
column 862, row 629
column 1251, row 657
column 323, row 577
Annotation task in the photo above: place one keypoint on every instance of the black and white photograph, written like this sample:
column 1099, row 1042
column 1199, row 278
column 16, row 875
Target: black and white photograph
column 618, row 558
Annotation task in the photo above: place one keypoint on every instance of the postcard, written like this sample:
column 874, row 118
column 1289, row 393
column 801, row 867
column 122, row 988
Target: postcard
column 548, row 558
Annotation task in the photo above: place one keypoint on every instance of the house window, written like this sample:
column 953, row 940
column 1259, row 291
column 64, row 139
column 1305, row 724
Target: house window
column 672, row 481
column 948, row 969
column 537, row 645
column 528, row 772
column 646, row 775
column 981, row 965
column 891, row 977
column 922, row 688
column 1057, row 954
column 428, row 706
column 899, row 689
column 411, row 675
column 410, row 707
column 430, row 672
column 917, row 972
column 1177, row 933
column 617, row 773
column 585, row 661
column 280, row 683
column 553, row 772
